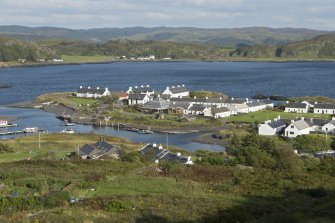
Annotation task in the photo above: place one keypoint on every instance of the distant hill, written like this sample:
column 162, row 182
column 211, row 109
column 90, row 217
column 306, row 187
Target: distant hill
column 320, row 47
column 220, row 37
column 131, row 48
column 12, row 50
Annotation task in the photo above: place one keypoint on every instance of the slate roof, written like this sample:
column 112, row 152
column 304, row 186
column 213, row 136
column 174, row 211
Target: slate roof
column 296, row 105
column 98, row 149
column 196, row 100
column 177, row 90
column 255, row 104
column 197, row 108
column 215, row 100
column 316, row 121
column 278, row 123
column 85, row 90
column 220, row 110
column 160, row 153
column 136, row 96
column 142, row 89
column 324, row 106
column 157, row 104
column 301, row 124
column 235, row 101
column 179, row 104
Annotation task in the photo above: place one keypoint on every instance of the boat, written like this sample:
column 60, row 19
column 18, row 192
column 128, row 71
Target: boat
column 69, row 124
column 132, row 129
column 121, row 125
column 30, row 130
column 68, row 131
column 144, row 131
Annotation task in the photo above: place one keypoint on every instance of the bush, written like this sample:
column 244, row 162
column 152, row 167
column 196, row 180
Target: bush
column 56, row 198
column 117, row 206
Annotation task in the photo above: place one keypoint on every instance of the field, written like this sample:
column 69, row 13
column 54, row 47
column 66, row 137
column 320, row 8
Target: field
column 261, row 116
column 87, row 59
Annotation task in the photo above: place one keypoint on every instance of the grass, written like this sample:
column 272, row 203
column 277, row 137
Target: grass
column 261, row 116
column 87, row 59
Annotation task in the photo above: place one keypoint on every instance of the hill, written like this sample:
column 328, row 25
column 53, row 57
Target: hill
column 221, row 37
column 320, row 47
column 12, row 50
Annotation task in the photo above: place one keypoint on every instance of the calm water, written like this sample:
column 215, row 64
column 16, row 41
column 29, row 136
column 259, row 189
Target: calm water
column 234, row 79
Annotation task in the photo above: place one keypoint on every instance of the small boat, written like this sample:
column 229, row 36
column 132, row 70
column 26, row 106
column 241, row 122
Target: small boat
column 143, row 131
column 69, row 124
column 121, row 125
column 30, row 130
column 68, row 131
column 132, row 129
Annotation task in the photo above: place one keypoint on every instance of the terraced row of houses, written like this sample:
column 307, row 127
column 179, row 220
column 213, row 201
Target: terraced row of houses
column 305, row 107
column 296, row 127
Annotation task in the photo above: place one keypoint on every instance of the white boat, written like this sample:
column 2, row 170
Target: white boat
column 30, row 130
column 68, row 131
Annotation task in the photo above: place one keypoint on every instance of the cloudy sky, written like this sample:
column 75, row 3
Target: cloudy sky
column 315, row 14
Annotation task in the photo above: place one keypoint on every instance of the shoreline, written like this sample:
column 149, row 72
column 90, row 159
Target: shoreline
column 230, row 60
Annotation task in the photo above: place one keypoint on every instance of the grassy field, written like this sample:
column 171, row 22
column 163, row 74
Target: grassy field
column 261, row 116
column 87, row 59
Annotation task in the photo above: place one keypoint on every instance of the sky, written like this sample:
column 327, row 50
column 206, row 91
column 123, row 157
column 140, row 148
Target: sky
column 84, row 14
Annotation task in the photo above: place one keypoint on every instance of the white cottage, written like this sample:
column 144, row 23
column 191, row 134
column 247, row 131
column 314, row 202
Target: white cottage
column 329, row 127
column 296, row 107
column 270, row 128
column 92, row 92
column 324, row 109
column 138, row 99
column 179, row 91
column 220, row 112
column 296, row 128
column 143, row 89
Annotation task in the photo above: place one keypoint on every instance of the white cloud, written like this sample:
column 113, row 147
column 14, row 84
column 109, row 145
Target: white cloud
column 317, row 14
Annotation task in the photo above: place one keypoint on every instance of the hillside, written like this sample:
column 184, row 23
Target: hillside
column 320, row 47
column 132, row 48
column 221, row 37
column 12, row 50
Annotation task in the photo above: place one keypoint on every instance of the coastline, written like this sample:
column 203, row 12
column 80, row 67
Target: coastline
column 4, row 65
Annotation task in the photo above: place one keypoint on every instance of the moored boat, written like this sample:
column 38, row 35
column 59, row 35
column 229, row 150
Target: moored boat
column 132, row 129
column 144, row 131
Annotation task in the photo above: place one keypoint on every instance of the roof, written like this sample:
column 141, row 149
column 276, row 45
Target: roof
column 142, row 89
column 199, row 108
column 331, row 122
column 179, row 104
column 89, row 90
column 316, row 121
column 324, row 106
column 296, row 105
column 136, row 96
column 157, row 104
column 98, row 149
column 178, row 89
column 235, row 101
column 189, row 99
column 301, row 124
column 220, row 110
column 160, row 153
column 255, row 104
column 278, row 123
column 215, row 100
column 241, row 106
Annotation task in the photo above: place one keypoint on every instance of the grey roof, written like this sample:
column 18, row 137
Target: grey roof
column 196, row 100
column 255, row 104
column 301, row 124
column 142, row 89
column 316, row 121
column 235, row 101
column 180, row 89
column 157, row 104
column 296, row 105
column 160, row 153
column 198, row 108
column 324, row 106
column 331, row 122
column 278, row 123
column 220, row 110
column 137, row 96
column 98, row 149
column 179, row 104
column 215, row 100
column 85, row 90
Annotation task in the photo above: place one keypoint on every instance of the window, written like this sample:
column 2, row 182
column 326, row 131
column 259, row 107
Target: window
column 292, row 127
column 291, row 133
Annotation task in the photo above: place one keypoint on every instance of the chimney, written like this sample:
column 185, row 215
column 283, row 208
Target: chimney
column 142, row 86
column 232, row 99
column 333, row 118
column 179, row 154
column 154, row 145
column 206, row 98
column 136, row 86
column 292, row 121
column 98, row 88
column 130, row 88
column 195, row 97
column 220, row 98
column 189, row 158
column 302, row 118
column 278, row 117
column 247, row 99
column 89, row 87
column 275, row 119
column 167, row 88
column 106, row 88
column 172, row 86
column 81, row 87
column 183, row 85
column 178, row 85
column 311, row 120
column 160, row 147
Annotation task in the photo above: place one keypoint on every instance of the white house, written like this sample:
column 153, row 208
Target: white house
column 296, row 107
column 143, row 89
column 296, row 128
column 329, row 127
column 324, row 109
column 233, row 110
column 179, row 91
column 138, row 99
column 3, row 123
column 92, row 92
column 199, row 110
column 256, row 106
column 242, row 108
column 220, row 112
column 270, row 128
column 57, row 60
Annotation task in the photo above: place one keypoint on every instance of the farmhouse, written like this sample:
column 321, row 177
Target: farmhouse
column 179, row 91
column 324, row 109
column 138, row 99
column 296, row 107
column 157, row 153
column 98, row 150
column 92, row 92
column 271, row 128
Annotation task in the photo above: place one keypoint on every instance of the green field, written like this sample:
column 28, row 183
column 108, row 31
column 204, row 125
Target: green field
column 87, row 59
column 261, row 116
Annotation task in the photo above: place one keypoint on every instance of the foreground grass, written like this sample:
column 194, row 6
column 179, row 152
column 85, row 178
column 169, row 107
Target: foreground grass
column 261, row 116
